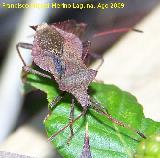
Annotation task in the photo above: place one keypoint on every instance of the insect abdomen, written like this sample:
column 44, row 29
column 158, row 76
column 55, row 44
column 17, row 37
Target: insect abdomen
column 77, row 84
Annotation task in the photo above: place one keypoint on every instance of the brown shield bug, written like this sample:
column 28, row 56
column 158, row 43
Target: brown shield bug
column 57, row 49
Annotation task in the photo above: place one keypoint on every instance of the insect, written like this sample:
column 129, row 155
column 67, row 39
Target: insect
column 57, row 49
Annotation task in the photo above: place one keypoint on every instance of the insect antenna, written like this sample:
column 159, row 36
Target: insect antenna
column 70, row 123
column 100, row 109
column 120, row 30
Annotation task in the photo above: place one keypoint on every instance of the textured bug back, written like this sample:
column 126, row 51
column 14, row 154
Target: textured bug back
column 60, row 53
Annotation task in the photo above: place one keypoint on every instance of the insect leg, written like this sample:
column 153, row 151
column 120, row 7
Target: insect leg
column 25, row 46
column 31, row 70
column 25, row 67
column 56, row 100
column 97, row 56
column 95, row 105
column 62, row 129
column 86, row 51
column 53, row 103
column 71, row 118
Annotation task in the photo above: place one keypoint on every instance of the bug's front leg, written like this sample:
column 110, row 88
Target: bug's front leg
column 31, row 70
column 25, row 46
column 87, row 52
column 25, row 67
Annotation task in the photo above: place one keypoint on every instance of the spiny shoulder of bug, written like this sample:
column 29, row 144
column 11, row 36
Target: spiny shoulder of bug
column 60, row 52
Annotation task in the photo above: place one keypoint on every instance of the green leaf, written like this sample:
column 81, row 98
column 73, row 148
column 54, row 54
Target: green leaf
column 106, row 138
column 149, row 147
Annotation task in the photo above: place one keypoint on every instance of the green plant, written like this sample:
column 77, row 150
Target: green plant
column 149, row 148
column 106, row 138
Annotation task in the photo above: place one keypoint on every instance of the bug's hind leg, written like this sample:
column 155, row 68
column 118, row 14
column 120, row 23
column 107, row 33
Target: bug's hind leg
column 71, row 118
column 25, row 67
column 87, row 53
column 70, row 123
column 100, row 109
